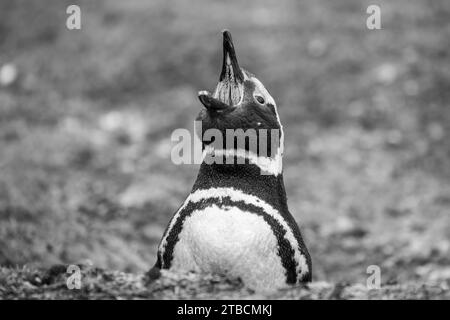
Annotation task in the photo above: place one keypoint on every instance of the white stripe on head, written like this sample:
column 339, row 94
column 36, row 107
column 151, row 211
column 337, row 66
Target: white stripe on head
column 259, row 88
column 238, row 195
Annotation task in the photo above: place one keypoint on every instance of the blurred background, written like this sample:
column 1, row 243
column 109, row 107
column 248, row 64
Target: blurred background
column 86, row 117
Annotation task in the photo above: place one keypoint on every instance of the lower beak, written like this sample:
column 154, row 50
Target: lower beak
column 210, row 102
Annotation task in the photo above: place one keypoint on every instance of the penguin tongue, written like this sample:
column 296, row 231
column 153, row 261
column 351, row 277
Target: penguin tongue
column 230, row 88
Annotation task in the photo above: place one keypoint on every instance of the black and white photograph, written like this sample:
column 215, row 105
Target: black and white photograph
column 245, row 151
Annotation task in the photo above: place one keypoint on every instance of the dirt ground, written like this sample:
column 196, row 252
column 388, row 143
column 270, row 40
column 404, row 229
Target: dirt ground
column 85, row 125
column 96, row 283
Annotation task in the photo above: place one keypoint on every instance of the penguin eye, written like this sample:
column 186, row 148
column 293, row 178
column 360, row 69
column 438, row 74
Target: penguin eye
column 260, row 99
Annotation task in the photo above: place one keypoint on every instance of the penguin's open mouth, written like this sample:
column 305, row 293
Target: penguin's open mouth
column 230, row 89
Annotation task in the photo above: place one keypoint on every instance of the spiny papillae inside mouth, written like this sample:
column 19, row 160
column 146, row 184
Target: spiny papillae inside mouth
column 228, row 90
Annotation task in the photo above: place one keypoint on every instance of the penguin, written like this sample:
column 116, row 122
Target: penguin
column 236, row 220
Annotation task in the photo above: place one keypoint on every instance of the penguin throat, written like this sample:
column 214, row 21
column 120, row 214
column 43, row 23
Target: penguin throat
column 229, row 91
column 267, row 165
column 260, row 177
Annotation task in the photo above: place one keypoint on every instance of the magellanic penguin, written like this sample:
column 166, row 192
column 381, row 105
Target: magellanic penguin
column 236, row 220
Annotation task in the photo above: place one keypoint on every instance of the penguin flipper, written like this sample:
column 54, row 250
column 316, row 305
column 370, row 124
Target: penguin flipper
column 154, row 273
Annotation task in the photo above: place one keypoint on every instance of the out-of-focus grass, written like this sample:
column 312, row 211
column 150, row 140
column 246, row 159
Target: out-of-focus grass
column 85, row 128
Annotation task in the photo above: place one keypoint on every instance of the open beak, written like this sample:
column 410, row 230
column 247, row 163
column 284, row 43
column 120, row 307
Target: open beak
column 230, row 88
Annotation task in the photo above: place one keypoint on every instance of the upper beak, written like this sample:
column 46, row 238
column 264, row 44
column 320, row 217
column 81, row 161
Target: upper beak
column 230, row 88
column 230, row 65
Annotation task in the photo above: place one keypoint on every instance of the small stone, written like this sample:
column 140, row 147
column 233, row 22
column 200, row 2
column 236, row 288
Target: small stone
column 317, row 47
column 386, row 73
column 8, row 74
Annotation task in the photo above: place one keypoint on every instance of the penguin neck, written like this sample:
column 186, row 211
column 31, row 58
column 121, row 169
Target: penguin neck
column 259, row 177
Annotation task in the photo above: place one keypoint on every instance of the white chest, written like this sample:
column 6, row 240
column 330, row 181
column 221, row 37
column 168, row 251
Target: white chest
column 230, row 241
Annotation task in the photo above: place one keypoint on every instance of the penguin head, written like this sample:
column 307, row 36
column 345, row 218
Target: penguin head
column 239, row 101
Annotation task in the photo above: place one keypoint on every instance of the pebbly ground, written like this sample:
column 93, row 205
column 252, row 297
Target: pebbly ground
column 26, row 283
